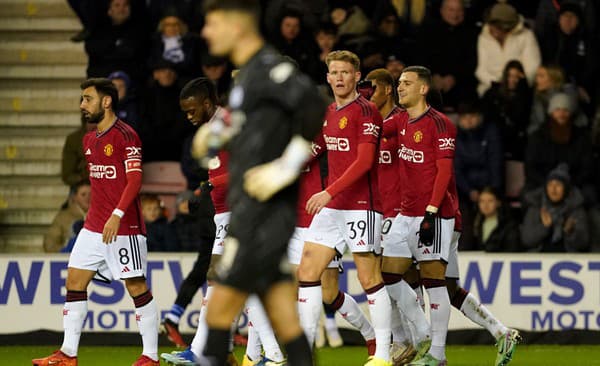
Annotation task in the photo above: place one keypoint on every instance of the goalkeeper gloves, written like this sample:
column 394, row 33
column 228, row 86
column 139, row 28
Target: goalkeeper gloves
column 200, row 194
column 427, row 229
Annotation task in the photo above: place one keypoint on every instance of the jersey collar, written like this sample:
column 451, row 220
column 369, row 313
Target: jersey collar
column 421, row 116
column 98, row 135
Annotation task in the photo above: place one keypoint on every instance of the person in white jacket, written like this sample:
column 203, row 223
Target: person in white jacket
column 503, row 38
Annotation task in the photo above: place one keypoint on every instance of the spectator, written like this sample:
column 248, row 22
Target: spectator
column 350, row 21
column 411, row 13
column 61, row 229
column 478, row 163
column 548, row 10
column 394, row 65
column 449, row 50
column 217, row 70
column 75, row 229
column 88, row 12
column 504, row 37
column 569, row 45
column 292, row 40
column 117, row 44
column 74, row 166
column 192, row 226
column 126, row 109
column 555, row 220
column 495, row 229
column 173, row 43
column 160, row 236
column 161, row 129
column 558, row 142
column 508, row 105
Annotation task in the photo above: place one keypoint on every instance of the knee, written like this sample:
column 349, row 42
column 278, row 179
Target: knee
column 308, row 272
column 369, row 280
column 136, row 286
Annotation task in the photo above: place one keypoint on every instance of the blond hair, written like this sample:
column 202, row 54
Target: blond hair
column 346, row 56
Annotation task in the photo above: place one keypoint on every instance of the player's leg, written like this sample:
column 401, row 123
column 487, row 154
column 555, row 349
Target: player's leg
column 262, row 326
column 280, row 303
column 471, row 307
column 254, row 347
column 189, row 287
column 413, row 279
column 315, row 258
column 146, row 315
column 330, row 284
column 380, row 307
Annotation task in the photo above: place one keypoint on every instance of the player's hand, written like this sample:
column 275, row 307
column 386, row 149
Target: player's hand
column 317, row 202
column 263, row 181
column 111, row 228
column 427, row 229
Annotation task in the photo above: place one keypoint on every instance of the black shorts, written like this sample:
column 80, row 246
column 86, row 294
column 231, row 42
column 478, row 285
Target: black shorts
column 255, row 253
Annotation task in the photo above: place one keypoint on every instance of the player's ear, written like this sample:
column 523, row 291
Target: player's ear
column 357, row 76
column 106, row 100
column 389, row 90
column 424, row 89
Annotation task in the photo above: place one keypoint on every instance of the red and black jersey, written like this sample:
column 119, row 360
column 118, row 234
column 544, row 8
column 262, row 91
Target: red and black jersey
column 110, row 156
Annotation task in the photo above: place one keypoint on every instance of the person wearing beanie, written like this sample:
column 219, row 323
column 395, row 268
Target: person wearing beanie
column 127, row 109
column 503, row 38
column 559, row 141
column 555, row 220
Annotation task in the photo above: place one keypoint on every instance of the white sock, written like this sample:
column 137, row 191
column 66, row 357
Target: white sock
column 399, row 330
column 262, row 325
column 310, row 302
column 420, row 298
column 479, row 314
column 74, row 313
column 147, row 320
column 355, row 316
column 254, row 346
column 330, row 324
column 439, row 312
column 408, row 305
column 199, row 340
column 380, row 309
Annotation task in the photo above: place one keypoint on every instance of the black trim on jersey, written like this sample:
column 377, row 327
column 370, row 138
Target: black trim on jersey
column 364, row 105
column 98, row 135
column 438, row 235
column 439, row 122
column 124, row 131
column 101, row 278
column 412, row 120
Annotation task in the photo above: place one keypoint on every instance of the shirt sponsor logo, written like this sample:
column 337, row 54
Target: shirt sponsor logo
column 371, row 129
column 133, row 151
column 103, row 171
column 337, row 143
column 418, row 136
column 343, row 122
column 408, row 154
column 108, row 149
column 385, row 157
column 446, row 143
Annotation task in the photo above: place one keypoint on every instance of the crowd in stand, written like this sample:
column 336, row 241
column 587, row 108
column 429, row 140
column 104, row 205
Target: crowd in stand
column 520, row 78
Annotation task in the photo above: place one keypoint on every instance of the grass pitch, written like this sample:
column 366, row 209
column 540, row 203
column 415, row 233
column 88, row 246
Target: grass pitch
column 546, row 355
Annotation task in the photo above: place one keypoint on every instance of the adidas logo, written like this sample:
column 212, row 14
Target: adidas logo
column 434, row 306
column 88, row 152
column 302, row 299
column 125, row 269
column 371, row 302
column 344, row 315
column 361, row 243
column 426, row 251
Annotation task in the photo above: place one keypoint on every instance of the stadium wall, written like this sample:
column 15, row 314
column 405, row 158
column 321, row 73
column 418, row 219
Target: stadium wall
column 553, row 298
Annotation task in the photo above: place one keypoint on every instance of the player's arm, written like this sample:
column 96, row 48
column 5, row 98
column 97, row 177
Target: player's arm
column 133, row 174
column 444, row 170
column 263, row 181
column 364, row 161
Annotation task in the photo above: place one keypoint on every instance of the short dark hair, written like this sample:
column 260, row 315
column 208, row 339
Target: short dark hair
column 423, row 73
column 201, row 88
column 104, row 87
column 250, row 7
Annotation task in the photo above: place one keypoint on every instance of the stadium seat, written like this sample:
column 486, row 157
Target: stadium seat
column 163, row 177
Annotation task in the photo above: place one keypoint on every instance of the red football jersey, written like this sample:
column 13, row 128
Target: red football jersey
column 110, row 156
column 344, row 129
column 390, row 180
column 217, row 167
column 421, row 142
column 310, row 183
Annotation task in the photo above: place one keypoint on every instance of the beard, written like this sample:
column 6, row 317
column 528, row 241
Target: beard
column 93, row 117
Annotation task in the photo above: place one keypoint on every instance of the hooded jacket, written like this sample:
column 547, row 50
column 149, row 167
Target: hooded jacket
column 61, row 229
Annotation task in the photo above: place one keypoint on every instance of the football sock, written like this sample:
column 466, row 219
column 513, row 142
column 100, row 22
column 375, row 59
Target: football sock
column 419, row 291
column 407, row 303
column 253, row 348
column 175, row 313
column 74, row 312
column 298, row 351
column 439, row 311
column 330, row 324
column 347, row 307
column 217, row 346
column 262, row 325
column 470, row 306
column 399, row 327
column 310, row 298
column 380, row 309
column 200, row 338
column 146, row 315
